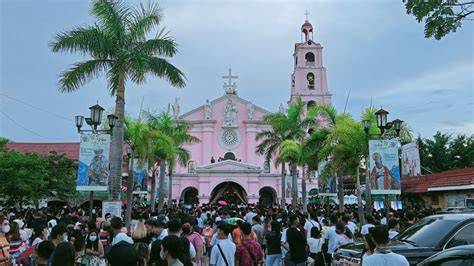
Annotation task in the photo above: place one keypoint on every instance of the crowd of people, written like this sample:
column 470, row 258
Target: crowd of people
column 199, row 235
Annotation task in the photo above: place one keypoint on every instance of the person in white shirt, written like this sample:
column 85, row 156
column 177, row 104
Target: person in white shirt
column 342, row 237
column 393, row 228
column 349, row 224
column 315, row 243
column 383, row 255
column 249, row 216
column 116, row 225
column 223, row 253
column 310, row 223
column 331, row 234
column 370, row 223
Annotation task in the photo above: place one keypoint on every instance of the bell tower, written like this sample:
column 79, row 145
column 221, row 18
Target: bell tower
column 308, row 80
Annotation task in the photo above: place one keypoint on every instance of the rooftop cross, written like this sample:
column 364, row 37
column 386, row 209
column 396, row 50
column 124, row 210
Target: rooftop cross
column 230, row 88
column 230, row 77
column 306, row 14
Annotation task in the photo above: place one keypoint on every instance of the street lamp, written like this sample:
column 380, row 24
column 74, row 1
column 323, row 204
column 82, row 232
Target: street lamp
column 95, row 120
column 382, row 124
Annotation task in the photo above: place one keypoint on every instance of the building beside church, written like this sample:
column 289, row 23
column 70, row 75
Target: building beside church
column 224, row 165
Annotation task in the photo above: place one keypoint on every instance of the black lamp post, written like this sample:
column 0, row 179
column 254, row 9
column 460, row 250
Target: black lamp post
column 382, row 124
column 95, row 119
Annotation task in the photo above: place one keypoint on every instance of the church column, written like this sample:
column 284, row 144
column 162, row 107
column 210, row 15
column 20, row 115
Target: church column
column 207, row 141
column 251, row 130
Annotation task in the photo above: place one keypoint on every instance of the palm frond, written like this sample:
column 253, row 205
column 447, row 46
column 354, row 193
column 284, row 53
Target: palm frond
column 162, row 68
column 111, row 17
column 142, row 20
column 81, row 73
column 158, row 47
column 83, row 40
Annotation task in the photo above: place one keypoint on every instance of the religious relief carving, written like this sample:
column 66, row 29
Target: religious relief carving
column 175, row 108
column 250, row 110
column 230, row 114
column 207, row 110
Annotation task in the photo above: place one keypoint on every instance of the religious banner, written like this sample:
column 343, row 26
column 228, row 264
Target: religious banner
column 410, row 160
column 140, row 169
column 113, row 208
column 93, row 170
column 157, row 182
column 288, row 186
column 384, row 166
column 327, row 184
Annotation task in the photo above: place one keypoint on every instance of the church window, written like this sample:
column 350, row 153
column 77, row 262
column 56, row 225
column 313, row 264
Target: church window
column 310, row 79
column 191, row 166
column 309, row 59
column 266, row 167
column 229, row 156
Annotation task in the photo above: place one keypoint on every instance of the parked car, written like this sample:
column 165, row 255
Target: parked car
column 459, row 256
column 427, row 237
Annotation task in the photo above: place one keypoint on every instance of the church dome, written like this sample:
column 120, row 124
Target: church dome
column 307, row 25
column 307, row 30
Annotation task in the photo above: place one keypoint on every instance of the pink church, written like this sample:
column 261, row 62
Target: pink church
column 224, row 165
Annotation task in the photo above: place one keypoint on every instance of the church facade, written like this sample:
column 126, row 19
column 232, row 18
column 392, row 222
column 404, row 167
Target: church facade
column 224, row 164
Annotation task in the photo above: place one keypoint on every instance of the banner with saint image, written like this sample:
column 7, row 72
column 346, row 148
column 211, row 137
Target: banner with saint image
column 140, row 169
column 93, row 170
column 410, row 160
column 384, row 166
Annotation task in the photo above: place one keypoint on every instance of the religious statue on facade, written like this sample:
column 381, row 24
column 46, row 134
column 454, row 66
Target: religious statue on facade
column 250, row 110
column 207, row 110
column 230, row 114
column 175, row 108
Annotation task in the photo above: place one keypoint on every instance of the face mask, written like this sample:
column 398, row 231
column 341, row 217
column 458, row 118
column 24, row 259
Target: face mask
column 6, row 228
column 64, row 238
column 186, row 230
column 162, row 255
column 93, row 238
column 46, row 235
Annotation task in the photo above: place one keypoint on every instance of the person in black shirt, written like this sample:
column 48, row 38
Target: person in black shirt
column 296, row 242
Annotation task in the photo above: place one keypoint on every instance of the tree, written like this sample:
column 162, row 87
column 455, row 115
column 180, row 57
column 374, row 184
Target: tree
column 135, row 135
column 27, row 178
column 440, row 16
column 3, row 143
column 289, row 126
column 118, row 46
column 442, row 152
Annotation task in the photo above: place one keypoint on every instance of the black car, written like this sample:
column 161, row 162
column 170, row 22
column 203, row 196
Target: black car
column 459, row 256
column 423, row 239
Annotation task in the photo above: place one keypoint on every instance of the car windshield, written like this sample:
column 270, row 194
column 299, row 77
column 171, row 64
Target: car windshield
column 428, row 232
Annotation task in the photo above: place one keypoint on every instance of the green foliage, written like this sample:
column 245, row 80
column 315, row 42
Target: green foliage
column 440, row 16
column 26, row 178
column 118, row 46
column 442, row 152
column 3, row 143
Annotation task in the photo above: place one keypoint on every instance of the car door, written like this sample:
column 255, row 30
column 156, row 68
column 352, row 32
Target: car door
column 464, row 236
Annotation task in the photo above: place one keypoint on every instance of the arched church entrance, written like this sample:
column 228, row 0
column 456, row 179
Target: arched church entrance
column 267, row 196
column 190, row 195
column 230, row 192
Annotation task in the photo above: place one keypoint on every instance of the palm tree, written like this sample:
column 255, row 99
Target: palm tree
column 117, row 46
column 179, row 133
column 289, row 126
column 135, row 136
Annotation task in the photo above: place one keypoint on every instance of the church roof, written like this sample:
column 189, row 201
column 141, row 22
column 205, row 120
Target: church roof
column 233, row 96
column 229, row 166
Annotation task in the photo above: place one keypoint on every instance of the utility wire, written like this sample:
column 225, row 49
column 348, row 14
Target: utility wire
column 25, row 128
column 37, row 108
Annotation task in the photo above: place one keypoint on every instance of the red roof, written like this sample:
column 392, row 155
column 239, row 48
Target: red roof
column 420, row 184
column 69, row 149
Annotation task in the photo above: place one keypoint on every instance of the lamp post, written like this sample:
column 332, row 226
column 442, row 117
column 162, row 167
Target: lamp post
column 95, row 119
column 383, row 125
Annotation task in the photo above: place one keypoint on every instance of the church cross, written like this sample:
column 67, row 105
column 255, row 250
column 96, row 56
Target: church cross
column 230, row 77
column 306, row 14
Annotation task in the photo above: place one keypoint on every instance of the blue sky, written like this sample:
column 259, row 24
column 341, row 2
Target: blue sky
column 371, row 47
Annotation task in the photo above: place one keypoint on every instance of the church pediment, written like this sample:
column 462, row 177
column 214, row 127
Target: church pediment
column 229, row 166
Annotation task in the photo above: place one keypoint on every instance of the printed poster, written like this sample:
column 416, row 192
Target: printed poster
column 113, row 208
column 93, row 170
column 384, row 166
column 140, row 169
column 410, row 160
column 327, row 185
